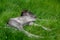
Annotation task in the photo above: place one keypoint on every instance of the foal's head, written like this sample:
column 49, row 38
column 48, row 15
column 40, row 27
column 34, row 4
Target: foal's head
column 27, row 13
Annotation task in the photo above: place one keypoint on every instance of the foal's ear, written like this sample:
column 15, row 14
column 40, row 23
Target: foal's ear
column 23, row 12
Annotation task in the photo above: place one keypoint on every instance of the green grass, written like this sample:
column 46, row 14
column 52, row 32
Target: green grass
column 44, row 9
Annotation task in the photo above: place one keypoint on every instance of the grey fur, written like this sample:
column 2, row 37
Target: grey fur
column 19, row 23
column 26, row 18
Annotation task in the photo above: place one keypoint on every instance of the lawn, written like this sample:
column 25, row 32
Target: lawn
column 49, row 10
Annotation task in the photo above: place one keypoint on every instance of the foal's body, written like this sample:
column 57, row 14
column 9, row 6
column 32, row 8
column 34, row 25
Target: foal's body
column 19, row 23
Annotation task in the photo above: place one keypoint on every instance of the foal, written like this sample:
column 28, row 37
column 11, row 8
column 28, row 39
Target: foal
column 19, row 22
column 27, row 18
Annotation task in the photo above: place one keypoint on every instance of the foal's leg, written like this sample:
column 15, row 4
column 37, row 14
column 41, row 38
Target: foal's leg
column 32, row 23
column 27, row 33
